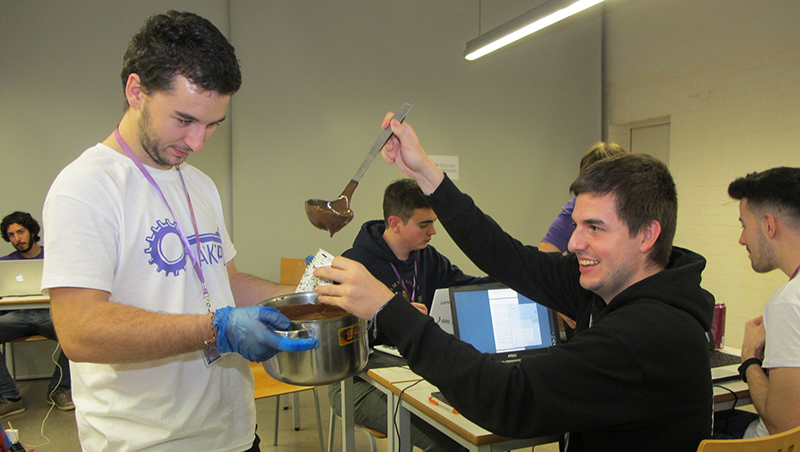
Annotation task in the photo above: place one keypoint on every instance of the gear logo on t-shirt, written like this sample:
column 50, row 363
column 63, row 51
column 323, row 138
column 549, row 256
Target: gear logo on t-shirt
column 167, row 252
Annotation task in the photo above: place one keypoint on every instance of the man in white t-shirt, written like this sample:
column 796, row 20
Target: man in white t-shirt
column 769, row 210
column 145, row 295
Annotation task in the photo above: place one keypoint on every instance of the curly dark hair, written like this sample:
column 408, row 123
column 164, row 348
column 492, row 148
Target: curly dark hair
column 644, row 191
column 181, row 43
column 24, row 219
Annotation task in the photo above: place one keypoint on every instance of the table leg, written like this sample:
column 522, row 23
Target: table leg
column 348, row 425
column 391, row 434
column 399, row 428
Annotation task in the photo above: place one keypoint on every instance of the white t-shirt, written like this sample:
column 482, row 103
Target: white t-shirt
column 782, row 324
column 108, row 229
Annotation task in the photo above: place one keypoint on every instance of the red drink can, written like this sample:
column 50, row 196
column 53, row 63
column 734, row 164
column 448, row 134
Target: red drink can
column 718, row 325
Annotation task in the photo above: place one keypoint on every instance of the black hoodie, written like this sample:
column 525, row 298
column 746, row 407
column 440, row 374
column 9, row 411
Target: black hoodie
column 636, row 375
column 433, row 270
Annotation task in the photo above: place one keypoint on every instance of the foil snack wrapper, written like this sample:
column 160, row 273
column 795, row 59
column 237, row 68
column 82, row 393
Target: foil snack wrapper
column 308, row 282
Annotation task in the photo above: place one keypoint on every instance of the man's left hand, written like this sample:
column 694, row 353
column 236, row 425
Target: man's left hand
column 755, row 337
column 421, row 307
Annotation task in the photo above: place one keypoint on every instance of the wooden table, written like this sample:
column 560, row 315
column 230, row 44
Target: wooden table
column 408, row 392
column 398, row 430
column 26, row 302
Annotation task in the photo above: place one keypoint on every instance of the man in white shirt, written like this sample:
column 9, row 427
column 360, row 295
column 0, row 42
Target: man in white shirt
column 769, row 210
column 144, row 291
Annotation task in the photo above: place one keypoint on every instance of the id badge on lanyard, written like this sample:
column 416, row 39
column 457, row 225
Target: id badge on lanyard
column 211, row 354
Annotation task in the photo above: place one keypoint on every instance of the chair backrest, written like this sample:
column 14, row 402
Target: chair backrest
column 266, row 386
column 781, row 442
column 292, row 270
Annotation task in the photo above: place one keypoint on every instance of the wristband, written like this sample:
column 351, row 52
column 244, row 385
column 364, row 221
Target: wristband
column 747, row 363
column 374, row 320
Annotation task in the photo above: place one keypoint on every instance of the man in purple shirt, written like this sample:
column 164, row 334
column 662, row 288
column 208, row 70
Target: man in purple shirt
column 22, row 230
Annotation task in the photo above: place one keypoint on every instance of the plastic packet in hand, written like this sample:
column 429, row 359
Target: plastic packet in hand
column 308, row 282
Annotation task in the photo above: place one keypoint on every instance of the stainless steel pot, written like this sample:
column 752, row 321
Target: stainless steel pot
column 343, row 349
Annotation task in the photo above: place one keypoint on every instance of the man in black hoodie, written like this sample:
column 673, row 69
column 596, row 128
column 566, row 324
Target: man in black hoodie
column 396, row 251
column 636, row 375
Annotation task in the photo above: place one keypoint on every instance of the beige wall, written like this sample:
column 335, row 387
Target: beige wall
column 727, row 74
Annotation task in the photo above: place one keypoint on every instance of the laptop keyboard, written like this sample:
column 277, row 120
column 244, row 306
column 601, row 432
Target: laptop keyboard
column 719, row 359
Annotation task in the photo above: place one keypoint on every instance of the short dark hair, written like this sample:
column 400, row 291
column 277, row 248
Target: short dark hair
column 644, row 191
column 25, row 220
column 401, row 198
column 776, row 188
column 181, row 43
column 600, row 151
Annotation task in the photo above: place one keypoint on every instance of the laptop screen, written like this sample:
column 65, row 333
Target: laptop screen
column 499, row 321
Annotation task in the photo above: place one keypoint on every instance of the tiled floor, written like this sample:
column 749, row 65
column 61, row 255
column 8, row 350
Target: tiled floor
column 60, row 430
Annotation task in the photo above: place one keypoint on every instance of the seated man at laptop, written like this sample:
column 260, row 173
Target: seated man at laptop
column 637, row 370
column 395, row 250
column 22, row 230
column 769, row 210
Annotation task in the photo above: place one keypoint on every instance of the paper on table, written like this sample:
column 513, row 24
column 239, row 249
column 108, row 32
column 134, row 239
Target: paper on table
column 397, row 374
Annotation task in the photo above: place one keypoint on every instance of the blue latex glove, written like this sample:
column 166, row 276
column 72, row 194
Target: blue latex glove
column 249, row 331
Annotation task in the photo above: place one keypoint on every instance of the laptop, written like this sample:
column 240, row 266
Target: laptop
column 440, row 311
column 497, row 320
column 19, row 278
column 724, row 366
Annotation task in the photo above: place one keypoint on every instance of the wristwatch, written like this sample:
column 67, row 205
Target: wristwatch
column 747, row 363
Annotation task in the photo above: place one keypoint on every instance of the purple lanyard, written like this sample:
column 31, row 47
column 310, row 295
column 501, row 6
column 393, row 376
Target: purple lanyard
column 795, row 273
column 184, row 239
column 403, row 284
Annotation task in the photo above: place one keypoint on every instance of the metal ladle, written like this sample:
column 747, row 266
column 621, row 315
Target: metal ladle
column 332, row 216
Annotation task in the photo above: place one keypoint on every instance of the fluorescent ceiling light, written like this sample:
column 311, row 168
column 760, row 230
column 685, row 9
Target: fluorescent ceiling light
column 534, row 20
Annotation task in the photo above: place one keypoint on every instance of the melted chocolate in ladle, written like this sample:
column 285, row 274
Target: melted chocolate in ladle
column 332, row 216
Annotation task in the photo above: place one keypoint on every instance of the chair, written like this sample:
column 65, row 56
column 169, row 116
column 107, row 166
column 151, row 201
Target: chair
column 292, row 270
column 8, row 351
column 371, row 434
column 266, row 386
column 781, row 442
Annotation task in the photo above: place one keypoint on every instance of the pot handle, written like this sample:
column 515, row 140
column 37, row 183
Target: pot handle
column 301, row 333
